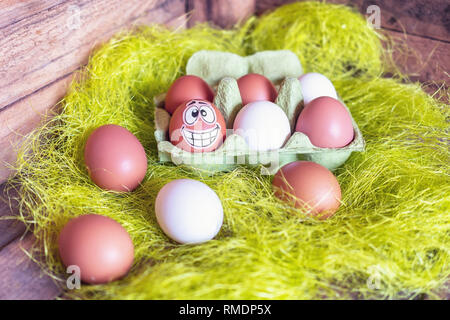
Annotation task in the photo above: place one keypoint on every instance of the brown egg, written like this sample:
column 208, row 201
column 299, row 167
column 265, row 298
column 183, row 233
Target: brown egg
column 115, row 159
column 255, row 87
column 309, row 186
column 187, row 88
column 326, row 122
column 98, row 245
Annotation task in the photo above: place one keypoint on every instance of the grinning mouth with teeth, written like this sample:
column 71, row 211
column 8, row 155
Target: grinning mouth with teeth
column 200, row 139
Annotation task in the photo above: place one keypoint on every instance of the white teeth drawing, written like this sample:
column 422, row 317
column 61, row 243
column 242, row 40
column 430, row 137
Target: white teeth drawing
column 200, row 139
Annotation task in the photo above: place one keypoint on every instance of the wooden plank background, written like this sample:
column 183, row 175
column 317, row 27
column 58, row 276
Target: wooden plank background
column 43, row 42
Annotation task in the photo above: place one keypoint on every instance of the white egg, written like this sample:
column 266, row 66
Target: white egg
column 188, row 211
column 263, row 125
column 316, row 85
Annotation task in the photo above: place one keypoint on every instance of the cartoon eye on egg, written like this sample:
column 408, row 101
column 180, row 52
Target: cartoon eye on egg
column 197, row 126
column 196, row 109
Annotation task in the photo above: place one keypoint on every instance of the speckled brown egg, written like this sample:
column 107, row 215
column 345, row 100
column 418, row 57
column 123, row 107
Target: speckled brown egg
column 115, row 159
column 99, row 246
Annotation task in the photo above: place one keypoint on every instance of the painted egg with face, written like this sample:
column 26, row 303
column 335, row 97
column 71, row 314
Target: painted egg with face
column 197, row 126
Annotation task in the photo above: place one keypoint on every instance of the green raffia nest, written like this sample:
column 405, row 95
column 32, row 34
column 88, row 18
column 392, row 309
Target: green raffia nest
column 393, row 225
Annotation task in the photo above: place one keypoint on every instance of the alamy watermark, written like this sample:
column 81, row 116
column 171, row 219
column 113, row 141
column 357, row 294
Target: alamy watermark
column 373, row 16
column 374, row 280
column 74, row 280
column 73, row 21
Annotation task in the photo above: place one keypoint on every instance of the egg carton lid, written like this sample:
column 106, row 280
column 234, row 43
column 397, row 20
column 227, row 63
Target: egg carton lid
column 213, row 66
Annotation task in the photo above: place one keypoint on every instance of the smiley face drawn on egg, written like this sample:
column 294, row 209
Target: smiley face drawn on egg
column 197, row 126
column 200, row 111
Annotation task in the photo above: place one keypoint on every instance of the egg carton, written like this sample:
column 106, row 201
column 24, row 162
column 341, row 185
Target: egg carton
column 220, row 70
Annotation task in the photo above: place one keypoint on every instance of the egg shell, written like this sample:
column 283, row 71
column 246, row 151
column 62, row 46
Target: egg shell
column 115, row 159
column 203, row 132
column 99, row 246
column 316, row 85
column 326, row 122
column 255, row 87
column 263, row 125
column 309, row 186
column 188, row 211
column 187, row 88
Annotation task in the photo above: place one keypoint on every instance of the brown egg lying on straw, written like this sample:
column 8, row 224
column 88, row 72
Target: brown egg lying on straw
column 309, row 186
column 99, row 246
column 115, row 159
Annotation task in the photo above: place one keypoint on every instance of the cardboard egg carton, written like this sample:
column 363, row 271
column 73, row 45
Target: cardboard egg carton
column 220, row 70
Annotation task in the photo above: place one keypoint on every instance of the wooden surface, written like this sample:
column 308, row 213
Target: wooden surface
column 42, row 43
column 224, row 14
column 20, row 277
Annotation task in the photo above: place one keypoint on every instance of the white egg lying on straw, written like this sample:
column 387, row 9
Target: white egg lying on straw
column 188, row 211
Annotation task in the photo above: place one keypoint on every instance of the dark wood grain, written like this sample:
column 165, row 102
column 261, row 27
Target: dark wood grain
column 424, row 60
column 10, row 228
column 20, row 277
column 221, row 13
column 426, row 18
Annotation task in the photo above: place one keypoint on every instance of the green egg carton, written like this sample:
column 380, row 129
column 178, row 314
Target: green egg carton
column 220, row 70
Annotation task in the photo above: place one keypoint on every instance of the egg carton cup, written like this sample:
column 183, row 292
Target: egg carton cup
column 220, row 70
